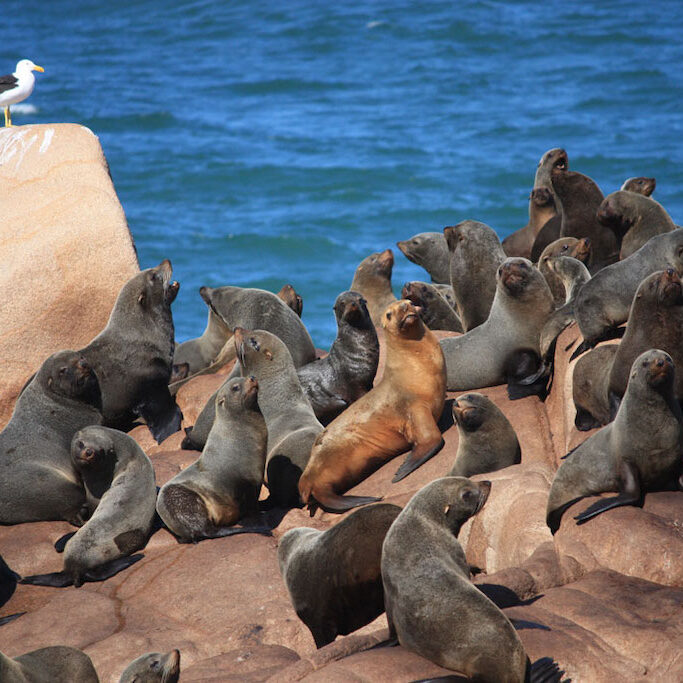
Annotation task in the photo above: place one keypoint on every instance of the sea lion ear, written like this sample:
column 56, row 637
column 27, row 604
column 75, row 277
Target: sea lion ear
column 49, row 381
column 141, row 299
column 268, row 354
column 446, row 509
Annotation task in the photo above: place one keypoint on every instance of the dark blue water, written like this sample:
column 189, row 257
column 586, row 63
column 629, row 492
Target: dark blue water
column 262, row 143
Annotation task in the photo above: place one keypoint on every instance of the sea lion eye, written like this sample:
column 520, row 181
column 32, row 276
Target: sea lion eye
column 62, row 371
column 415, row 242
column 236, row 387
column 468, row 495
column 388, row 316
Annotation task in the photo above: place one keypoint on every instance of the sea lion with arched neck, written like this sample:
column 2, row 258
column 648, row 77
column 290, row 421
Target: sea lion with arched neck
column 634, row 218
column 133, row 356
column 429, row 250
column 640, row 451
column 372, row 279
column 476, row 253
column 565, row 246
column 37, row 480
column 334, row 382
column 435, row 311
column 399, row 413
column 222, row 487
column 120, row 489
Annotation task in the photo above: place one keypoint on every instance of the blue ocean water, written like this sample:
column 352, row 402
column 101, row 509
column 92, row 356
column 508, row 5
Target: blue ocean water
column 262, row 143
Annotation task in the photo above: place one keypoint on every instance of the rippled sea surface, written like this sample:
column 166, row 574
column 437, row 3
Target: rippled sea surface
column 262, row 143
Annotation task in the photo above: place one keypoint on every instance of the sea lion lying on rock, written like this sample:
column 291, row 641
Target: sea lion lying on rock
column 153, row 667
column 58, row 664
column 640, row 451
column 400, row 412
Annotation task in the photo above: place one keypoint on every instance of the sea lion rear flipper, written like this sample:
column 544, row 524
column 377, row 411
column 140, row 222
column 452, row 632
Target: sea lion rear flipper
column 418, row 456
column 54, row 579
column 581, row 348
column 584, row 422
column 221, row 532
column 60, row 543
column 332, row 502
column 546, row 670
column 526, row 374
column 11, row 617
column 630, row 494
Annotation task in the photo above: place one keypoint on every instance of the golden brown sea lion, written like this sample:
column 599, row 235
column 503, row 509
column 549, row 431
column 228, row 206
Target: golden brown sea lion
column 400, row 412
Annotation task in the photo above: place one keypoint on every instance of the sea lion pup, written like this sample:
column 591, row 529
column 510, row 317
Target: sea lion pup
column 372, row 279
column 119, row 482
column 580, row 198
column 432, row 606
column 429, row 250
column 58, row 664
column 205, row 499
column 486, row 440
column 153, row 667
column 37, row 480
column 634, row 218
column 565, row 246
column 656, row 317
column 289, row 295
column 603, row 303
column 333, row 383
column 475, row 253
column 590, row 381
column 499, row 350
column 133, row 355
column 640, row 451
column 334, row 577
column 573, row 274
column 399, row 413
column 542, row 205
column 435, row 311
column 290, row 420
column 641, row 185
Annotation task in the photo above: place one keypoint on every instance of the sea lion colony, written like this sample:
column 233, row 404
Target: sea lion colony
column 65, row 455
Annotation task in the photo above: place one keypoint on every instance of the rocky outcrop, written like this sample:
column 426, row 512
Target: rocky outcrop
column 66, row 247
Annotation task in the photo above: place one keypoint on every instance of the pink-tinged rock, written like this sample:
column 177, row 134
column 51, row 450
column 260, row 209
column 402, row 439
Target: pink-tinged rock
column 192, row 397
column 646, row 543
column 66, row 246
column 248, row 663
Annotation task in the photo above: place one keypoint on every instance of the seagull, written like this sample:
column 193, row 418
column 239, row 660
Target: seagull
column 17, row 86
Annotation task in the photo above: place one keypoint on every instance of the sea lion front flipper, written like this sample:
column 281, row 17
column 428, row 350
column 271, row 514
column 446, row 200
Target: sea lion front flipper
column 425, row 435
column 221, row 532
column 161, row 413
column 332, row 502
column 60, row 543
column 10, row 617
column 526, row 374
column 584, row 422
column 546, row 670
column 109, row 569
column 418, row 456
column 630, row 494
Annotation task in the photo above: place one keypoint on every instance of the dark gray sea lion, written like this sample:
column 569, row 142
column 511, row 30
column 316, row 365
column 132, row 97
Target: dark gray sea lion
column 564, row 246
column 447, row 293
column 640, row 451
column 542, row 206
column 634, row 218
column 429, row 250
column 37, row 480
column 290, row 420
column 425, row 572
column 641, row 185
column 334, row 577
column 398, row 414
column 487, row 442
column 289, row 295
column 372, row 279
column 491, row 353
column 333, row 383
column 57, row 664
column 133, row 356
column 603, row 303
column 590, row 381
column 153, row 667
column 119, row 482
column 580, row 198
column 435, row 311
column 8, row 584
column 222, row 487
column 476, row 254
column 249, row 309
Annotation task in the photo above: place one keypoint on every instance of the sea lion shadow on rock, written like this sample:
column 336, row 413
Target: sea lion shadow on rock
column 503, row 597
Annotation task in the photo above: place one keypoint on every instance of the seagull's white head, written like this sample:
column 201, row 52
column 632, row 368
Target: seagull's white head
column 26, row 66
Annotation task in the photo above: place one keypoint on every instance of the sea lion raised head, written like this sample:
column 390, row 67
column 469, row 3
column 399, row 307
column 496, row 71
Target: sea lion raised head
column 289, row 295
column 402, row 319
column 372, row 279
column 640, row 185
column 153, row 667
column 429, row 250
column 238, row 394
column 351, row 307
column 517, row 277
column 154, row 286
column 553, row 158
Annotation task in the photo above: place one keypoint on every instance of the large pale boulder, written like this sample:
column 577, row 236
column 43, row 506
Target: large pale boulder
column 66, row 247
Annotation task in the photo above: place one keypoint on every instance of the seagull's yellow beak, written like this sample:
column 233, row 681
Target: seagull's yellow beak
column 38, row 68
